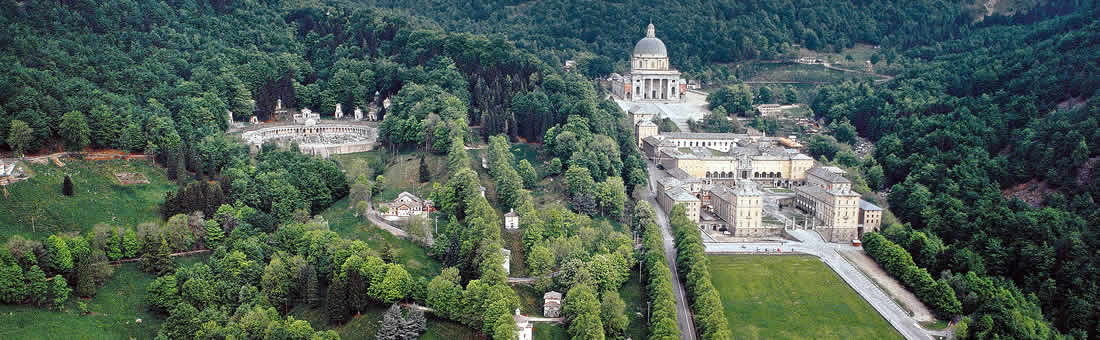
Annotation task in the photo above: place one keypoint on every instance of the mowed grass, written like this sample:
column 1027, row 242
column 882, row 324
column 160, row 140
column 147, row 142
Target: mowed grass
column 112, row 312
column 792, row 297
column 35, row 208
column 550, row 331
column 344, row 222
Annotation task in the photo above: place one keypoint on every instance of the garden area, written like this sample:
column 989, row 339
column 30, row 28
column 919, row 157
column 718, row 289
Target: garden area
column 792, row 297
column 36, row 208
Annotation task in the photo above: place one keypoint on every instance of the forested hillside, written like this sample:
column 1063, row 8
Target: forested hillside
column 697, row 32
column 1007, row 105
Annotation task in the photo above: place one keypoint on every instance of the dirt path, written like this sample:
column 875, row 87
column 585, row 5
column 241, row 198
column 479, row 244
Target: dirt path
column 898, row 292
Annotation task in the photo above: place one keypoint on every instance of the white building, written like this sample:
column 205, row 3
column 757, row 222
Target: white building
column 511, row 220
column 650, row 79
column 524, row 329
column 407, row 204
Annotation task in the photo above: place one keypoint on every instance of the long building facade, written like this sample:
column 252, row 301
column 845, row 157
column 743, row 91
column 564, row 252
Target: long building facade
column 727, row 157
column 828, row 197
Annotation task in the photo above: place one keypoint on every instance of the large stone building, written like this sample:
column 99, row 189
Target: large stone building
column 727, row 157
column 828, row 197
column 670, row 192
column 650, row 78
column 742, row 208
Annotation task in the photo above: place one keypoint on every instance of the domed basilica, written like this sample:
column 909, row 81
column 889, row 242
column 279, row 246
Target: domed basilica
column 650, row 78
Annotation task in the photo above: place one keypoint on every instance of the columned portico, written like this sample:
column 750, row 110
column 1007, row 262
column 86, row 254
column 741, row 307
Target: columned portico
column 650, row 79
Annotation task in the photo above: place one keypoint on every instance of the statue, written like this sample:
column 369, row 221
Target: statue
column 358, row 113
column 339, row 112
column 278, row 105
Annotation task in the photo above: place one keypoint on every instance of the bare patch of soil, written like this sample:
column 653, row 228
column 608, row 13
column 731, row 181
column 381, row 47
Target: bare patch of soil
column 130, row 178
column 1031, row 192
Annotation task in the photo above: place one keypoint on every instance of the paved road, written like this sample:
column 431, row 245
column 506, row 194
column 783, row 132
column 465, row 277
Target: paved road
column 812, row 244
column 372, row 215
column 683, row 311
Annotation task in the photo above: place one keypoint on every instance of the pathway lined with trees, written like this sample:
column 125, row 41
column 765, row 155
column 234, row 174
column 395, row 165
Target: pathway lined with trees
column 683, row 311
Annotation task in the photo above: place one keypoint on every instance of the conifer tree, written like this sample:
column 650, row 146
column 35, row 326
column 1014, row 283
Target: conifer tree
column 67, row 186
column 37, row 286
column 425, row 175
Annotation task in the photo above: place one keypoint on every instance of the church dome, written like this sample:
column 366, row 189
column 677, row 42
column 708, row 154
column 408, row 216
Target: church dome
column 650, row 46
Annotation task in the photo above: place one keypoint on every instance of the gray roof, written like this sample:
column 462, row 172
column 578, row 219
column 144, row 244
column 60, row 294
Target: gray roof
column 646, row 123
column 828, row 173
column 650, row 47
column 680, row 195
column 820, row 193
column 704, row 135
column 551, row 295
column 669, row 182
column 864, row 205
column 681, row 175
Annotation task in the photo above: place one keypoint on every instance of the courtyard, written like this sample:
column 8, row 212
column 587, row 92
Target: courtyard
column 792, row 297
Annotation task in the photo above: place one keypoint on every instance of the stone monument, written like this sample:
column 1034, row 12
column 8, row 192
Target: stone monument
column 358, row 113
column 339, row 112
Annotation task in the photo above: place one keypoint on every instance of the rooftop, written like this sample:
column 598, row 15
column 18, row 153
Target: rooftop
column 831, row 174
column 864, row 205
column 822, row 194
column 680, row 195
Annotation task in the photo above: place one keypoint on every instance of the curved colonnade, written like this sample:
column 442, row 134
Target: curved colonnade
column 319, row 140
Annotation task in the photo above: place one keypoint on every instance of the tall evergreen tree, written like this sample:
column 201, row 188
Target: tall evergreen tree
column 425, row 175
column 67, row 186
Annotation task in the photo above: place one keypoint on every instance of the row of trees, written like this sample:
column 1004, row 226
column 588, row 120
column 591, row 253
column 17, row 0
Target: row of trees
column 691, row 260
column 662, row 304
column 936, row 294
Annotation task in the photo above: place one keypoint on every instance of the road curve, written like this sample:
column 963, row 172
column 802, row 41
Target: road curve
column 683, row 311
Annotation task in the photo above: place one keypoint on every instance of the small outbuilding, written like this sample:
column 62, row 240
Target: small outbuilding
column 551, row 304
column 511, row 220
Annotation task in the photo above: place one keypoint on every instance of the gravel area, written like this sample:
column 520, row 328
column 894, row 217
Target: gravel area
column 903, row 296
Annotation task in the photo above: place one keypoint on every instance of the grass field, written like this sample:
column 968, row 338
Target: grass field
column 112, row 312
column 344, row 222
column 36, row 208
column 550, row 331
column 792, row 297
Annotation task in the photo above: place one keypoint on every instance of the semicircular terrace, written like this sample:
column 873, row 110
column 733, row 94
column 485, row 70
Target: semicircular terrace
column 322, row 139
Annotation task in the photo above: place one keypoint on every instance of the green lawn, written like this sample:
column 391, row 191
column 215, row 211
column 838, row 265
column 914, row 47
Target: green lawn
column 36, row 208
column 792, row 297
column 634, row 296
column 344, row 222
column 112, row 312
column 550, row 331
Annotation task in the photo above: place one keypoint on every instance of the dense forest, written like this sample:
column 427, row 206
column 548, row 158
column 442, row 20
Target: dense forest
column 697, row 33
column 1011, row 108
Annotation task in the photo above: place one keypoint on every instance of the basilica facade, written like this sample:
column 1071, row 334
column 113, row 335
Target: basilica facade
column 650, row 78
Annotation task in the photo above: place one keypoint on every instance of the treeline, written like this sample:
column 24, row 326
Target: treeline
column 697, row 33
column 662, row 318
column 1007, row 109
column 897, row 261
column 691, row 260
column 81, row 263
column 470, row 244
